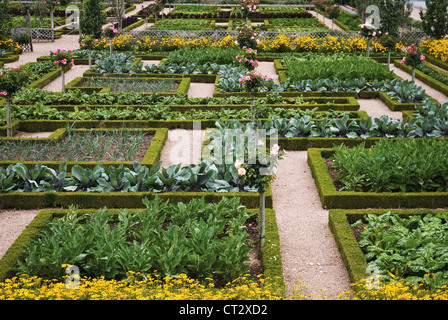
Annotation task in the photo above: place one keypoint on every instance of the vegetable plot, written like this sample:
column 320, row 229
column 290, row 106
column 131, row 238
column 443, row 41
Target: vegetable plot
column 199, row 239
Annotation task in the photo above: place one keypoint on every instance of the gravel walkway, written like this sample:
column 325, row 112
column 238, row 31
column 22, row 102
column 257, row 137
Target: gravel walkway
column 12, row 223
column 309, row 252
column 328, row 22
column 182, row 146
column 266, row 67
column 74, row 72
column 40, row 49
column 376, row 108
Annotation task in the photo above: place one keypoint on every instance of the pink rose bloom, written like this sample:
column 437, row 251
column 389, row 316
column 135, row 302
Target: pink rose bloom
column 422, row 57
column 274, row 152
column 415, row 52
column 241, row 171
column 402, row 61
column 3, row 93
column 56, row 62
column 237, row 164
column 72, row 62
column 275, row 147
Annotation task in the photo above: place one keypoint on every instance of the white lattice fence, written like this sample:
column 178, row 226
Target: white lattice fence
column 38, row 34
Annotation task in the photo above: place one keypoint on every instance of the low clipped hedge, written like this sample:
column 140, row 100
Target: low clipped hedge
column 35, row 200
column 430, row 81
column 152, row 155
column 9, row 58
column 321, row 103
column 339, row 223
column 270, row 254
column 305, row 143
column 52, row 125
column 333, row 199
column 437, row 62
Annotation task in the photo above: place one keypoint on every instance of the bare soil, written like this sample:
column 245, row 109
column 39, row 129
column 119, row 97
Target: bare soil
column 80, row 156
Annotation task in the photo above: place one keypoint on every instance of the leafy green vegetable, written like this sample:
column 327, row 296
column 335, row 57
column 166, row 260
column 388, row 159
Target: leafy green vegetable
column 414, row 248
column 394, row 166
column 198, row 238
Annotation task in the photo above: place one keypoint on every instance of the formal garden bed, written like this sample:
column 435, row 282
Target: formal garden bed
column 124, row 215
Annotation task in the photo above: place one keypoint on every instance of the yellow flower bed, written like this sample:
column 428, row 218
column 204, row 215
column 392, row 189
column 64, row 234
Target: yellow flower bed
column 138, row 287
column 436, row 48
column 280, row 43
column 399, row 289
column 330, row 44
column 147, row 44
column 9, row 44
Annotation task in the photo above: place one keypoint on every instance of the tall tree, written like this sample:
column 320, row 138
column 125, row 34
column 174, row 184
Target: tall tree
column 92, row 18
column 361, row 6
column 5, row 20
column 120, row 6
column 393, row 14
column 435, row 19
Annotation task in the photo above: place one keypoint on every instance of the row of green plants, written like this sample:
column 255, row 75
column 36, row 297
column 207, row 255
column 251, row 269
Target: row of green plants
column 411, row 249
column 415, row 127
column 312, row 65
column 182, row 24
column 205, row 176
column 77, row 97
column 161, row 112
column 411, row 165
column 402, row 91
column 202, row 240
column 36, row 70
column 441, row 76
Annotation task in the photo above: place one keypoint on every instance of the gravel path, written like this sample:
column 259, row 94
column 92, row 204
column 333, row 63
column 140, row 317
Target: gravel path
column 201, row 90
column 12, row 223
column 40, row 49
column 74, row 72
column 309, row 252
column 266, row 67
column 182, row 146
column 376, row 108
column 328, row 22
